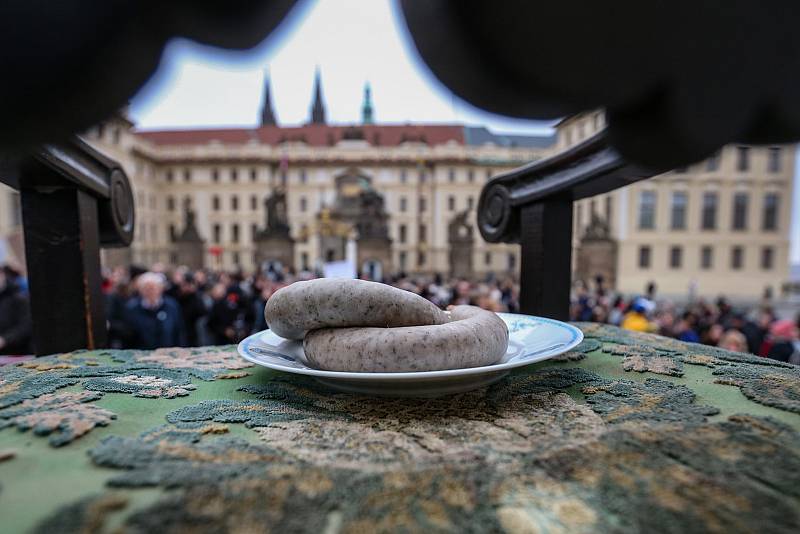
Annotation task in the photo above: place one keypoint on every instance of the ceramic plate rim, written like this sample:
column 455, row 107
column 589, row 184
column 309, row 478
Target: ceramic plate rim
column 243, row 350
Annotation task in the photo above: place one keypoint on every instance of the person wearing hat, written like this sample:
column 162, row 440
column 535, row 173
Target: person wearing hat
column 785, row 345
column 636, row 318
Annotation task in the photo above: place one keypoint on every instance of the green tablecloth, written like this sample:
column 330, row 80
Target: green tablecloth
column 627, row 432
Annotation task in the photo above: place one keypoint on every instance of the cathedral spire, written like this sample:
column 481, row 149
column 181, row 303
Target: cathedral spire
column 317, row 107
column 267, row 114
column 366, row 107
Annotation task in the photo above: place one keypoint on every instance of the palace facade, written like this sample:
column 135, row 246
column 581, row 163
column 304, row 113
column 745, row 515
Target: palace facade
column 718, row 227
column 419, row 178
column 402, row 197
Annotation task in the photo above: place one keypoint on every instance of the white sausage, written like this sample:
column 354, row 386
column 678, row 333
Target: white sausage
column 474, row 337
column 334, row 302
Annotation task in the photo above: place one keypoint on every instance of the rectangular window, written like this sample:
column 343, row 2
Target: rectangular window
column 706, row 257
column 234, row 175
column 770, row 221
column 487, row 258
column 737, row 258
column 644, row 257
column 187, row 175
column 253, row 175
column 451, row 175
column 675, row 257
column 488, row 174
column 170, row 176
column 767, row 258
column 253, row 202
column 421, row 259
column 303, row 177
column 235, row 203
column 403, row 203
column 403, row 176
column 235, row 233
column 170, row 203
column 451, row 203
column 253, row 231
column 678, row 216
column 422, row 204
column 743, row 158
column 402, row 233
column 423, row 233
column 215, row 203
column 470, row 202
column 647, row 210
column 512, row 261
column 214, row 175
column 422, row 177
column 172, row 232
column 740, row 201
column 709, row 218
column 774, row 159
column 470, row 176
column 403, row 260
column 217, row 233
column 712, row 163
column 303, row 204
column 304, row 261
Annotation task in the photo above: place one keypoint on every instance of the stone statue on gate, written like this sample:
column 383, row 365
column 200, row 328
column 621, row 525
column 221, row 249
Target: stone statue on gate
column 459, row 230
column 277, row 218
column 461, row 241
column 372, row 221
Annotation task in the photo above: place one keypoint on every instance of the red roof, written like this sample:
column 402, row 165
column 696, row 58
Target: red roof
column 312, row 134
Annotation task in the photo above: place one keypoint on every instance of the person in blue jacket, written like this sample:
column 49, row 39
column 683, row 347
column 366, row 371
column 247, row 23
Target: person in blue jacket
column 153, row 317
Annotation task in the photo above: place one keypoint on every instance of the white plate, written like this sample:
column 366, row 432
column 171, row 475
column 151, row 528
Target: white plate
column 531, row 339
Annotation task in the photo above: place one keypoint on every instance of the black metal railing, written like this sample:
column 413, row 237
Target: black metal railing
column 532, row 206
column 74, row 201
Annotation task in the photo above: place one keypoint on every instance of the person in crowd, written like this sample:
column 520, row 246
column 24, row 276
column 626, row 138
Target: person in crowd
column 785, row 346
column 193, row 309
column 154, row 318
column 15, row 318
column 712, row 335
column 225, row 321
column 686, row 329
column 120, row 335
column 733, row 340
column 636, row 318
column 753, row 333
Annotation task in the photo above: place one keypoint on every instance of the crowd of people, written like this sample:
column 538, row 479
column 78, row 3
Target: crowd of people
column 163, row 307
column 757, row 330
column 180, row 307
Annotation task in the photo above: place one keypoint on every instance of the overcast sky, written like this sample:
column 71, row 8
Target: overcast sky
column 352, row 42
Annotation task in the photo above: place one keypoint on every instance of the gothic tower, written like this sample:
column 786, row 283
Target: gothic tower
column 366, row 107
column 267, row 114
column 317, row 107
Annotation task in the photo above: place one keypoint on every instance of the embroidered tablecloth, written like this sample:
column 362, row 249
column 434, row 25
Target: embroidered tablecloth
column 628, row 432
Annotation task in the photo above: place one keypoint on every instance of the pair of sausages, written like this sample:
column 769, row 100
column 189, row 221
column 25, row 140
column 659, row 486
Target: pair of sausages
column 361, row 326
